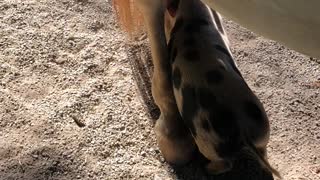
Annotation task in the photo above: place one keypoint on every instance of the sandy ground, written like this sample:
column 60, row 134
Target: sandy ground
column 74, row 105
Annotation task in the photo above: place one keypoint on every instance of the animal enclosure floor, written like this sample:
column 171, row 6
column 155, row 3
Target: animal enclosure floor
column 73, row 104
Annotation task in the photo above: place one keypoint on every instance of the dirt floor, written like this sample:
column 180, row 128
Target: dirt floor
column 74, row 104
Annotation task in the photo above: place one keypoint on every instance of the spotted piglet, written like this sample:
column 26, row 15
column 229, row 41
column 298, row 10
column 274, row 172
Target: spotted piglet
column 223, row 115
